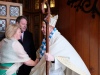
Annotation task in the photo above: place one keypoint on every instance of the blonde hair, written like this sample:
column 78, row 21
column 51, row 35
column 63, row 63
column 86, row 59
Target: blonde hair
column 11, row 30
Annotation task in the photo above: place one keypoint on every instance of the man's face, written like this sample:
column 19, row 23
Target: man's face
column 43, row 28
column 23, row 25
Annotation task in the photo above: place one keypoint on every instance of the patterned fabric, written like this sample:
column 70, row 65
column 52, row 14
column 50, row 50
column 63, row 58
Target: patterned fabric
column 3, row 68
column 43, row 46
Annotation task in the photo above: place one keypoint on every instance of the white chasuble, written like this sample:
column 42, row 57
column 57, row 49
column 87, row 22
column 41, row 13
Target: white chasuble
column 67, row 60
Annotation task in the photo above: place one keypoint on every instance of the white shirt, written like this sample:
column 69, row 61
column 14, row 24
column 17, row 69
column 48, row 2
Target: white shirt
column 22, row 35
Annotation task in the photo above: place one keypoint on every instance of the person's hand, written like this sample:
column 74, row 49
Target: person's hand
column 49, row 57
column 37, row 60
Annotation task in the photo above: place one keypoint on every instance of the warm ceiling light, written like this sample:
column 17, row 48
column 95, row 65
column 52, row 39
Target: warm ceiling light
column 45, row 6
column 52, row 3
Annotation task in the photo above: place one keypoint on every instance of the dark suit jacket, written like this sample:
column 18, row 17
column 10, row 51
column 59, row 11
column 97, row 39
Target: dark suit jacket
column 29, row 47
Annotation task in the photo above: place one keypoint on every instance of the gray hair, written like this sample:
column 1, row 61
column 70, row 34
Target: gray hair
column 11, row 30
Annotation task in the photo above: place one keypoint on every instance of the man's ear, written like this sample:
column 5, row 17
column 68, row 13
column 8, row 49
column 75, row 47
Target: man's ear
column 16, row 22
column 51, row 28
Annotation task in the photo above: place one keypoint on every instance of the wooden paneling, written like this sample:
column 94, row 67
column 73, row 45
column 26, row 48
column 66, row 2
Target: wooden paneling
column 64, row 26
column 78, row 32
column 83, row 32
column 85, row 36
column 94, row 46
column 99, row 46
column 72, row 27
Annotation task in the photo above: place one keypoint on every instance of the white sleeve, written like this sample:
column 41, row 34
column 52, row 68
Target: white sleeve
column 57, row 64
column 18, row 48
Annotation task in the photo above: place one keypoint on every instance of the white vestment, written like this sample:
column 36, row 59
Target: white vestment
column 67, row 60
